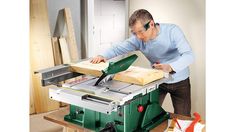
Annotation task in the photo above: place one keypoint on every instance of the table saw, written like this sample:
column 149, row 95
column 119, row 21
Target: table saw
column 103, row 104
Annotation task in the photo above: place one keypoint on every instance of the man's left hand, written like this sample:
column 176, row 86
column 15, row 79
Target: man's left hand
column 164, row 67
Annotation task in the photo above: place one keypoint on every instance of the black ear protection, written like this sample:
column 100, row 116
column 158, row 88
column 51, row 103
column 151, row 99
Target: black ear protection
column 146, row 26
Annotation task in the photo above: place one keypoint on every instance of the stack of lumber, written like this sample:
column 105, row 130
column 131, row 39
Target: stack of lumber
column 135, row 75
column 64, row 40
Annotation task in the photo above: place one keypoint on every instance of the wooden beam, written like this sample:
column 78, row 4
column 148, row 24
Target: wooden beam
column 71, row 35
column 86, row 67
column 64, row 51
column 41, row 54
column 56, row 51
column 139, row 75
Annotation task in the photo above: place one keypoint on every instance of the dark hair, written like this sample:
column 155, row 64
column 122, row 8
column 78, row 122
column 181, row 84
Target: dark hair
column 141, row 15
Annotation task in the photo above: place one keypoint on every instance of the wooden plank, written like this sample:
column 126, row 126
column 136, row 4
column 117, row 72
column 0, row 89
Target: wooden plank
column 86, row 67
column 139, row 76
column 56, row 51
column 71, row 35
column 136, row 75
column 57, row 57
column 64, row 51
column 41, row 54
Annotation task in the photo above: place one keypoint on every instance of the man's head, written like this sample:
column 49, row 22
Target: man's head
column 142, row 24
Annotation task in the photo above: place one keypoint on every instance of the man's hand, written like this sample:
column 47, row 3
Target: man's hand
column 165, row 67
column 98, row 59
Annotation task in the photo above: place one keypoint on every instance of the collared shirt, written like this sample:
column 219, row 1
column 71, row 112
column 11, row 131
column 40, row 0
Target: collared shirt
column 169, row 47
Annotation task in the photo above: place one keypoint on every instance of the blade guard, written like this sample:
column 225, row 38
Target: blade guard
column 115, row 67
column 121, row 65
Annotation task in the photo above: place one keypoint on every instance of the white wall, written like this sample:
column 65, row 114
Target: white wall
column 190, row 16
column 103, row 24
column 109, row 24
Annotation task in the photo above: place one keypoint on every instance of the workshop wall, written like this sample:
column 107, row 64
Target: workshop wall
column 190, row 17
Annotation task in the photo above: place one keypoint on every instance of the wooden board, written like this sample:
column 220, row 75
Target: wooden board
column 136, row 75
column 86, row 67
column 139, row 76
column 65, row 55
column 56, row 51
column 64, row 51
column 71, row 35
column 58, row 59
column 41, row 54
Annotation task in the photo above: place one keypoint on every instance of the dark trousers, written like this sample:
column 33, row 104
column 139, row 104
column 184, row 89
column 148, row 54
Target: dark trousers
column 180, row 96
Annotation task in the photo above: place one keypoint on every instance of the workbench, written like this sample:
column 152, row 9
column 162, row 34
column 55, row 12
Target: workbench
column 58, row 117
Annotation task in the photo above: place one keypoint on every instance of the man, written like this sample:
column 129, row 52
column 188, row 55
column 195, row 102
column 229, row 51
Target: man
column 165, row 46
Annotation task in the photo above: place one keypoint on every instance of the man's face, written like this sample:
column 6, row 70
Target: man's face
column 139, row 30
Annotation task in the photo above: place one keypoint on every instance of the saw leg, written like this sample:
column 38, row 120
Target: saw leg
column 154, row 114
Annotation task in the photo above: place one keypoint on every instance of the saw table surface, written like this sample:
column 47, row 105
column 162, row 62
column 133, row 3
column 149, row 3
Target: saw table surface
column 58, row 117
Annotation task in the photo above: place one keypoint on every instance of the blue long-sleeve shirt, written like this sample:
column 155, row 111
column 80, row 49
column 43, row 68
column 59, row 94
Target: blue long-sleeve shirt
column 169, row 47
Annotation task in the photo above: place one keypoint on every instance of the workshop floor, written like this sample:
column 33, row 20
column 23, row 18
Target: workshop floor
column 38, row 124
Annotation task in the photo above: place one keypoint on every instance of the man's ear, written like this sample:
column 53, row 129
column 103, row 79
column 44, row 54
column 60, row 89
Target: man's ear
column 152, row 23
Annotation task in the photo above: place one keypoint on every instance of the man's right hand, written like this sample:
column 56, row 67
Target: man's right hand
column 98, row 59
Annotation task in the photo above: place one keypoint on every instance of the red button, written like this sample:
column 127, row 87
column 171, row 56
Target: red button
column 140, row 108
